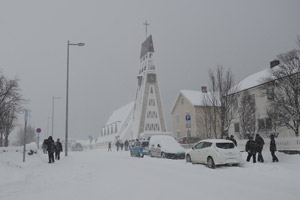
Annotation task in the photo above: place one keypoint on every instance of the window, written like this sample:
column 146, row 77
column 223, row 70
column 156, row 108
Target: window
column 199, row 146
column 178, row 134
column 268, row 123
column 182, row 100
column 207, row 144
column 188, row 125
column 236, row 127
column 151, row 102
column 177, row 118
column 151, row 90
column 225, row 145
column 270, row 93
column 261, row 124
column 235, row 103
column 251, row 99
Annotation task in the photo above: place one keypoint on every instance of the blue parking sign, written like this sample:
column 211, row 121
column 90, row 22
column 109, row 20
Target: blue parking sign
column 188, row 117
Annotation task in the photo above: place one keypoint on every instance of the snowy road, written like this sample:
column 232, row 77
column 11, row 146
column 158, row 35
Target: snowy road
column 98, row 174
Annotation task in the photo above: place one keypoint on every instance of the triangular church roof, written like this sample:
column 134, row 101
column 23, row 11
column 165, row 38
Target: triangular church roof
column 147, row 46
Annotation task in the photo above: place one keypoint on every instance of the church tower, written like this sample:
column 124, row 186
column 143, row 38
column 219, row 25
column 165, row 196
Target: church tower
column 148, row 112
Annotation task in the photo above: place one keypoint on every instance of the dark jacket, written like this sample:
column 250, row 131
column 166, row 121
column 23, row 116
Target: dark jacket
column 58, row 146
column 273, row 145
column 50, row 146
column 260, row 142
column 251, row 146
column 233, row 140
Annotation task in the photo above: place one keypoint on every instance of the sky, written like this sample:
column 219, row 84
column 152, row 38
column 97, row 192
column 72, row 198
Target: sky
column 190, row 37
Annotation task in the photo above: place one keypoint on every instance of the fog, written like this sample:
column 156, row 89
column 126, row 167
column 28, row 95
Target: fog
column 190, row 37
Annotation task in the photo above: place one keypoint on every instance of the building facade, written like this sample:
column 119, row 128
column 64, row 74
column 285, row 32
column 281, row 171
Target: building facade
column 189, row 116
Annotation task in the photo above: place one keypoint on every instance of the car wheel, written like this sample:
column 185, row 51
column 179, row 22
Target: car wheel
column 211, row 163
column 163, row 155
column 188, row 158
column 138, row 155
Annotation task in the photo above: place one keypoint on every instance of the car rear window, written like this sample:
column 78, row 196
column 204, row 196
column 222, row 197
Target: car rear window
column 225, row 145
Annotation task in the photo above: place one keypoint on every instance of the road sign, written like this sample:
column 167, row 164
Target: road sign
column 188, row 117
column 38, row 130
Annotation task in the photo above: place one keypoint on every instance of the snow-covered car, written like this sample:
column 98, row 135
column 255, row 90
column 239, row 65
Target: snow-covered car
column 164, row 146
column 214, row 152
column 76, row 147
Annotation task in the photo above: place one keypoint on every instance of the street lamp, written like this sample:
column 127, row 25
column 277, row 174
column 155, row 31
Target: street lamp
column 67, row 95
column 53, row 98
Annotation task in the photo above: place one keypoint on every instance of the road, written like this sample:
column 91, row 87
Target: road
column 98, row 174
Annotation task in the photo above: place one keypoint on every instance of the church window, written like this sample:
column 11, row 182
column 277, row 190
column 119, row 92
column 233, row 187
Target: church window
column 182, row 100
column 151, row 102
column 151, row 90
column 145, row 68
column 150, row 55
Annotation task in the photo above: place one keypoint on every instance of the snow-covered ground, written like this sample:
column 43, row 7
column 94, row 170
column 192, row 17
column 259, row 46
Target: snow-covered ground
column 98, row 174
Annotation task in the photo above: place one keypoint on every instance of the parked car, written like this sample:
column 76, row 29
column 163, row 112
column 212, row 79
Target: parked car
column 214, row 152
column 165, row 146
column 188, row 140
column 76, row 147
column 139, row 149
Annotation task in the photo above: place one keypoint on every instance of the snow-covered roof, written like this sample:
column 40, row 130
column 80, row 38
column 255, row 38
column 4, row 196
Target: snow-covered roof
column 196, row 98
column 121, row 114
column 254, row 80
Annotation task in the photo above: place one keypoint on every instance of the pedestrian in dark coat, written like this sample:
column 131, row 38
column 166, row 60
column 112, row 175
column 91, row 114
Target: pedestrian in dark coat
column 273, row 149
column 50, row 149
column 118, row 145
column 122, row 144
column 251, row 148
column 109, row 146
column 260, row 145
column 58, row 149
column 233, row 140
column 44, row 146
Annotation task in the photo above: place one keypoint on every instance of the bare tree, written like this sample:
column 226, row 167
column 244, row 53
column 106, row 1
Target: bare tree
column 222, row 86
column 11, row 102
column 30, row 136
column 210, row 117
column 246, row 112
column 285, row 106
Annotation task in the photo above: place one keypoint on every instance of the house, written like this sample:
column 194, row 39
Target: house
column 189, row 115
column 255, row 91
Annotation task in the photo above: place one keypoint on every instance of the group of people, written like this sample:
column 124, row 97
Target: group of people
column 256, row 145
column 51, row 147
column 120, row 145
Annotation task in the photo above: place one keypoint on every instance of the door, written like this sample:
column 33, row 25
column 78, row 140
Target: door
column 196, row 152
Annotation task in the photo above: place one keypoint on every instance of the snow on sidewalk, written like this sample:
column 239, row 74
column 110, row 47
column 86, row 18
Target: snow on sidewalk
column 98, row 174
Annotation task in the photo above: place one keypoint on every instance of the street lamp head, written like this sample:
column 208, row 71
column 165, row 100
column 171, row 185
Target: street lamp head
column 81, row 44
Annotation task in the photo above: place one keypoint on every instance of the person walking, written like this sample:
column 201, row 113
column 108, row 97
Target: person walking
column 50, row 149
column 273, row 149
column 126, row 145
column 233, row 140
column 118, row 145
column 58, row 149
column 251, row 149
column 44, row 146
column 109, row 146
column 122, row 144
column 260, row 145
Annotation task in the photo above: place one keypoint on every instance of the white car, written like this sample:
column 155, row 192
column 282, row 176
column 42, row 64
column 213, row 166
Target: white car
column 165, row 146
column 213, row 152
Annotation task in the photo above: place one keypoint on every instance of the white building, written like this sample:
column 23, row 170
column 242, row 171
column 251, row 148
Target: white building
column 254, row 86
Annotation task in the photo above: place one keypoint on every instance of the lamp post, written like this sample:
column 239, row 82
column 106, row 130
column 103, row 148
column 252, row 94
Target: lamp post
column 67, row 94
column 53, row 98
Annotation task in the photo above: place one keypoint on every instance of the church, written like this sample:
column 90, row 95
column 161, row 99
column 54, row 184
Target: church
column 145, row 114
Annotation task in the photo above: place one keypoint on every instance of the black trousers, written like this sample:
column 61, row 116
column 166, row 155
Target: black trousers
column 274, row 157
column 57, row 155
column 259, row 156
column 51, row 157
column 253, row 155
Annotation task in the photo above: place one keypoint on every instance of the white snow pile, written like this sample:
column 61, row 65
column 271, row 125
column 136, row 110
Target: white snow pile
column 99, row 174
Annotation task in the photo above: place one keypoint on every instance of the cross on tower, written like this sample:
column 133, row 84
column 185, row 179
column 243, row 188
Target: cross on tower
column 146, row 24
